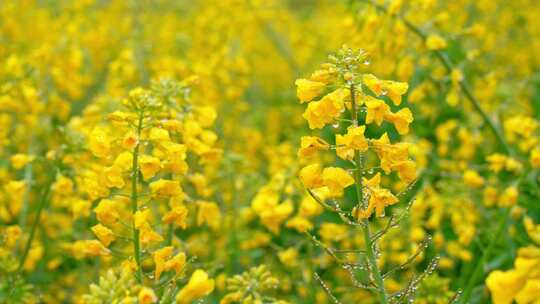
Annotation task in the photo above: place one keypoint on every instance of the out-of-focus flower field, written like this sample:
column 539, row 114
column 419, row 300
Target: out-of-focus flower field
column 270, row 151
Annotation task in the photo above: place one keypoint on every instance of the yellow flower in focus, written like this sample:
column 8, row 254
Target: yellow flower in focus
column 336, row 179
column 149, row 166
column 158, row 135
column 104, row 234
column 177, row 263
column 198, row 286
column 308, row 89
column 309, row 145
column 82, row 249
column 112, row 177
column 130, row 140
column 163, row 188
column 106, row 212
column 124, row 161
column 406, row 170
column 376, row 110
column 401, row 120
column 100, row 142
column 373, row 182
column 148, row 235
column 394, row 90
column 311, row 176
column 178, row 216
column 379, row 199
column 309, row 207
column 141, row 218
column 373, row 83
column 353, row 140
column 160, row 258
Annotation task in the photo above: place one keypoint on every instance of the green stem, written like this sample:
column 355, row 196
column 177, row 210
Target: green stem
column 134, row 199
column 478, row 271
column 233, row 241
column 43, row 201
column 170, row 231
column 28, row 176
column 372, row 260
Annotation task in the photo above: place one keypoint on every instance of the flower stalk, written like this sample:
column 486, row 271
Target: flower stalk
column 134, row 199
column 370, row 254
column 44, row 198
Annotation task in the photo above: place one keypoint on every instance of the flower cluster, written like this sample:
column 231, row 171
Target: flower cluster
column 357, row 100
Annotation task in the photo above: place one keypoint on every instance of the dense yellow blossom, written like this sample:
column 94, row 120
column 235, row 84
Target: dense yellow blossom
column 269, row 151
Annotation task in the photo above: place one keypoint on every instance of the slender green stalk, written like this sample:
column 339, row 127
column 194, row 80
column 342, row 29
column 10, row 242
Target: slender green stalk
column 478, row 271
column 42, row 203
column 170, row 231
column 28, row 176
column 233, row 238
column 134, row 199
column 372, row 260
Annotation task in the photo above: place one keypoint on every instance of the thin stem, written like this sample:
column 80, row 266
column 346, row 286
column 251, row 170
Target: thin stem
column 134, row 199
column 443, row 58
column 372, row 261
column 170, row 231
column 478, row 271
column 232, row 237
column 28, row 177
column 43, row 201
